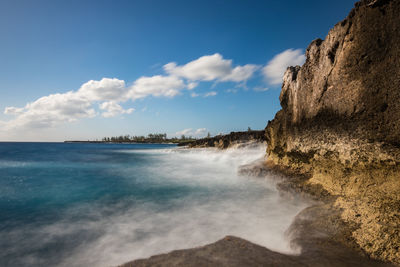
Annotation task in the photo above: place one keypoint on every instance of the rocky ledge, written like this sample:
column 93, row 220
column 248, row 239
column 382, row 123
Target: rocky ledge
column 340, row 124
column 228, row 140
column 235, row 252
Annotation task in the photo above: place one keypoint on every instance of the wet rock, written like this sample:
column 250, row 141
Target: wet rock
column 319, row 241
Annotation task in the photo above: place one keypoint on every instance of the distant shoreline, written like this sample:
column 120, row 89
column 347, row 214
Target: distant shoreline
column 221, row 141
column 106, row 142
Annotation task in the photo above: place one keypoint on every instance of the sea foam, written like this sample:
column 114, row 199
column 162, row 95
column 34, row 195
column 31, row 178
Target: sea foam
column 194, row 197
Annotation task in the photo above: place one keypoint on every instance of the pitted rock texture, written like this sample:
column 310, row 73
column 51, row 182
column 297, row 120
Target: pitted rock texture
column 340, row 123
column 353, row 73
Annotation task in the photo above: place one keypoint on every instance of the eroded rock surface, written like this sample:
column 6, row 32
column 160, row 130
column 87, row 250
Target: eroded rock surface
column 314, row 237
column 340, row 123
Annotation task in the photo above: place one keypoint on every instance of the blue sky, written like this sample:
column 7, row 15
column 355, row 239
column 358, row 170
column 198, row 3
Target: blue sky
column 156, row 66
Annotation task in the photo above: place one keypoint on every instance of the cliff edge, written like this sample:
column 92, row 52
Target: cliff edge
column 340, row 123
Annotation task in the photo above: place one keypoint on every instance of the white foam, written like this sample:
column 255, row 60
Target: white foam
column 13, row 164
column 247, row 207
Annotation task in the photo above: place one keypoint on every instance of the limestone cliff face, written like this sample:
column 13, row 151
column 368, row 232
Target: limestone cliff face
column 340, row 122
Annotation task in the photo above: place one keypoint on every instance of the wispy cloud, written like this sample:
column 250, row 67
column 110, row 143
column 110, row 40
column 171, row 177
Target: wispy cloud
column 212, row 93
column 233, row 91
column 276, row 67
column 260, row 89
column 192, row 85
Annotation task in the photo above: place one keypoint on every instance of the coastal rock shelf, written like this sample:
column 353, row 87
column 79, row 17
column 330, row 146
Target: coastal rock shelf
column 340, row 124
column 228, row 140
column 236, row 252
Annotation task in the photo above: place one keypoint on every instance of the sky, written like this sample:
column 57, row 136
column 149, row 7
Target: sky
column 79, row 70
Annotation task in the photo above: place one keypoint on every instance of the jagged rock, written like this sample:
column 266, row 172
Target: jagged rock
column 340, row 123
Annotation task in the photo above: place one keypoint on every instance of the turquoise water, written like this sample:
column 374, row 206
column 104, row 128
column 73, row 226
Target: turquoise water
column 104, row 204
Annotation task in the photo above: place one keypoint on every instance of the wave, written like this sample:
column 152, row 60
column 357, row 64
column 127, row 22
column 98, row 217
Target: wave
column 198, row 198
column 13, row 164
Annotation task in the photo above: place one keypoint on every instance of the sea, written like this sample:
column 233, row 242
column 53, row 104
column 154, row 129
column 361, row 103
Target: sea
column 85, row 204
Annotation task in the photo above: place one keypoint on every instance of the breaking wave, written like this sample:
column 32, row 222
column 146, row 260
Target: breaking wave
column 149, row 201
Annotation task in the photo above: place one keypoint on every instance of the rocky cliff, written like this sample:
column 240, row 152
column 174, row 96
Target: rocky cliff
column 340, row 123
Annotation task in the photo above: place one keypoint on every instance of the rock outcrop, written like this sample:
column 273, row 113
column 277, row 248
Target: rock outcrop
column 227, row 140
column 235, row 252
column 340, row 123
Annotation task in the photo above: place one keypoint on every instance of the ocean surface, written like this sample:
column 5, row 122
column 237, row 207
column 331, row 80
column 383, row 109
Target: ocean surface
column 104, row 204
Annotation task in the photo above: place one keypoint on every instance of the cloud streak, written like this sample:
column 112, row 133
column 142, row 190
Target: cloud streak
column 212, row 93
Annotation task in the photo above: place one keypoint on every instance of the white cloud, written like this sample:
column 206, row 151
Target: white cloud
column 13, row 111
column 212, row 93
column 168, row 86
column 107, row 94
column 113, row 109
column 50, row 110
column 192, row 85
column 105, row 89
column 54, row 109
column 211, row 67
column 276, row 67
column 201, row 132
column 241, row 73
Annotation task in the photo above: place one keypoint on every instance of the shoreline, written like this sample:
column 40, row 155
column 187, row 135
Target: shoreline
column 336, row 140
column 126, row 143
column 323, row 238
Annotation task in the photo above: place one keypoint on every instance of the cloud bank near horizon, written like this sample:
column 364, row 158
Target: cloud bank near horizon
column 200, row 132
column 104, row 97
